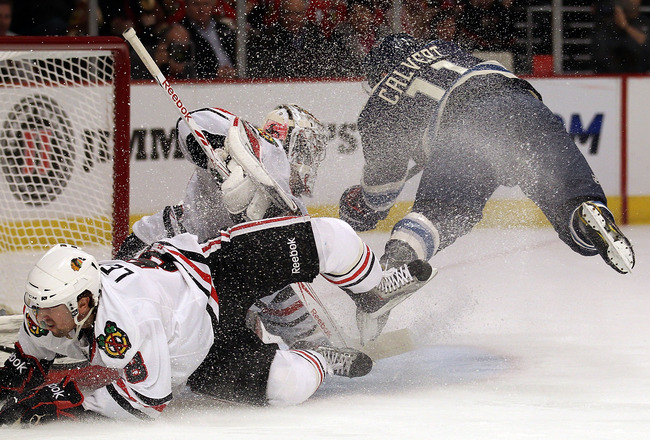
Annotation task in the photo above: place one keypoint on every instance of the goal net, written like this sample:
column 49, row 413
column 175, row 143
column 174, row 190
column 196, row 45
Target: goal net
column 64, row 140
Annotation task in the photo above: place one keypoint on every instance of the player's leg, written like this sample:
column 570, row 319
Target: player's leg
column 288, row 250
column 377, row 292
column 296, row 374
column 551, row 171
column 455, row 186
column 241, row 368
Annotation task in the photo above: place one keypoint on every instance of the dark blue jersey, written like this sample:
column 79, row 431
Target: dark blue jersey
column 405, row 105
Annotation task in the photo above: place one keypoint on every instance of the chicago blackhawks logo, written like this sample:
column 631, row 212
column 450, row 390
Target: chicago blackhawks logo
column 76, row 263
column 115, row 342
column 34, row 328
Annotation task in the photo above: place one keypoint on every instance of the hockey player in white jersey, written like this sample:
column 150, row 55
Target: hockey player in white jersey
column 175, row 315
column 291, row 154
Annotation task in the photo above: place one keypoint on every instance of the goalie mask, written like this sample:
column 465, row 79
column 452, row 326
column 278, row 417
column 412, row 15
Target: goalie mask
column 59, row 277
column 304, row 139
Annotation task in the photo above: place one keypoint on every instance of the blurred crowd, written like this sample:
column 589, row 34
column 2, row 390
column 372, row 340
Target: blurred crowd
column 197, row 39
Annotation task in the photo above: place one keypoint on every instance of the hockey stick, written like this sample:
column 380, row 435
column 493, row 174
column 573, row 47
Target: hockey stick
column 215, row 161
column 261, row 177
column 321, row 315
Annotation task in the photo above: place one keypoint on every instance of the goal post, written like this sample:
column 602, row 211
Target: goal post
column 64, row 150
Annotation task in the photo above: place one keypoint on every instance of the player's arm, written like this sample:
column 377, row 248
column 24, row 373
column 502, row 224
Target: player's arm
column 136, row 347
column 144, row 388
column 20, row 378
column 214, row 125
column 384, row 174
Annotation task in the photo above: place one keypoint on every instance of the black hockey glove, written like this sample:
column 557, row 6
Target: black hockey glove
column 353, row 210
column 21, row 373
column 130, row 247
column 52, row 402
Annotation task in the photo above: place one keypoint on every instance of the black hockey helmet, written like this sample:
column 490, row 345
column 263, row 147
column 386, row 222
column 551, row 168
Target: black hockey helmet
column 390, row 51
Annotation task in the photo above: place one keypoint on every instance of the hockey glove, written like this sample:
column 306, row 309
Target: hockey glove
column 21, row 373
column 354, row 210
column 52, row 402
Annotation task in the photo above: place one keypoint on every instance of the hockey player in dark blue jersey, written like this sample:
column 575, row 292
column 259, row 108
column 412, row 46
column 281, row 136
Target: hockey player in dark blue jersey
column 472, row 126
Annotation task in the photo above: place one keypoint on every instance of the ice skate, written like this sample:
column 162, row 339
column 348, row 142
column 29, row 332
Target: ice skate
column 397, row 253
column 397, row 285
column 346, row 362
column 595, row 223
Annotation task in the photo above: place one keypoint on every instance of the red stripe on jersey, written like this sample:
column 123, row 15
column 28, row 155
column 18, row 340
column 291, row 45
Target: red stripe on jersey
column 267, row 223
column 222, row 111
column 207, row 247
column 204, row 276
column 362, row 269
column 120, row 383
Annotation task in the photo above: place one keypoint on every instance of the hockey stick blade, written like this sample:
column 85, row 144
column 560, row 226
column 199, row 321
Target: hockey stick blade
column 389, row 344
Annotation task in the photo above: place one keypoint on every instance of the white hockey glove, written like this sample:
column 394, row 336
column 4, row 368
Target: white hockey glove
column 238, row 190
column 242, row 197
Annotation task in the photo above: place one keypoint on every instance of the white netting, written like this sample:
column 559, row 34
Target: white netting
column 56, row 158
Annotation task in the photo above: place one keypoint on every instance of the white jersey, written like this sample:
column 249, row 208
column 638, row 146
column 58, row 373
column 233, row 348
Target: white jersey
column 203, row 211
column 152, row 324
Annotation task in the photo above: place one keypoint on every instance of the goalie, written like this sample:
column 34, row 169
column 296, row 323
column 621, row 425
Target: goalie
column 176, row 315
column 291, row 147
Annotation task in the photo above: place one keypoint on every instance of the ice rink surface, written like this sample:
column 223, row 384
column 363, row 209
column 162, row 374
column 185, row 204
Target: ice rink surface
column 518, row 338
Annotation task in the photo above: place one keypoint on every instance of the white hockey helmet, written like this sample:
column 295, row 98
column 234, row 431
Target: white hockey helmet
column 304, row 139
column 59, row 277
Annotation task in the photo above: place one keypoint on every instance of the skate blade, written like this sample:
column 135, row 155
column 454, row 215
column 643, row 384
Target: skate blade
column 619, row 252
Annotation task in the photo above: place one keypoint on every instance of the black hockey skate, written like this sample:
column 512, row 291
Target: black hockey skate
column 595, row 223
column 397, row 285
column 346, row 362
